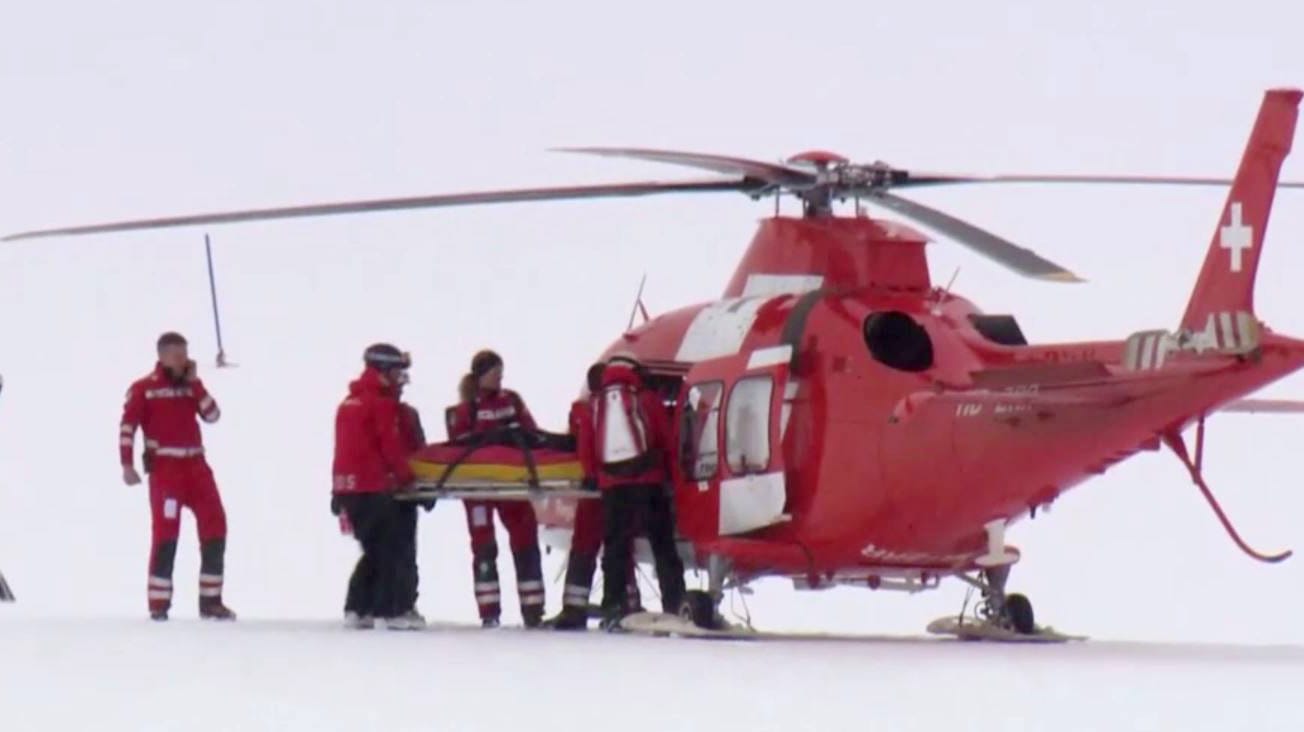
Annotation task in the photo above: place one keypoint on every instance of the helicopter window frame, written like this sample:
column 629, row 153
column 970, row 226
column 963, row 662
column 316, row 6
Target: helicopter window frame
column 700, row 458
column 741, row 397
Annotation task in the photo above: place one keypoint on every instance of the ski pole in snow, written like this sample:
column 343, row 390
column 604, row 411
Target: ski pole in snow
column 212, row 289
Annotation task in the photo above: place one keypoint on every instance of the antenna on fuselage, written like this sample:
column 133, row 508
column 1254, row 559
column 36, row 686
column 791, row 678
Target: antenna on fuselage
column 943, row 294
column 638, row 305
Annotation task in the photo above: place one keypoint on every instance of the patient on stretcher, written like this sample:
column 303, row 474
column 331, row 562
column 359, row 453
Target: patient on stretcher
column 500, row 460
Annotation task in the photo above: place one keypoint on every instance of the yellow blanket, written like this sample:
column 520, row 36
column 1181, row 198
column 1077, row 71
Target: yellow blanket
column 469, row 471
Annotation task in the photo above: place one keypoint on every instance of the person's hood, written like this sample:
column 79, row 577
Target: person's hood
column 370, row 382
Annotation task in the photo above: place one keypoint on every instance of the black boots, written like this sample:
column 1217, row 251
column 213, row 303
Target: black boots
column 212, row 560
column 571, row 617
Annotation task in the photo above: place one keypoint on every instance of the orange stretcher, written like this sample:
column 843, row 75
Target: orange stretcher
column 496, row 471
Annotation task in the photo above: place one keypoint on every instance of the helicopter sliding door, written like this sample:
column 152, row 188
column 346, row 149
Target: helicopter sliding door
column 730, row 473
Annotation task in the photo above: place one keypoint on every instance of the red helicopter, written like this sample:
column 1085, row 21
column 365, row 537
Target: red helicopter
column 841, row 420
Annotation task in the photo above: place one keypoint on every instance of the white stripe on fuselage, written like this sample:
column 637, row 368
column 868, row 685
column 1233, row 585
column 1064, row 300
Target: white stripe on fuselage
column 719, row 329
column 786, row 284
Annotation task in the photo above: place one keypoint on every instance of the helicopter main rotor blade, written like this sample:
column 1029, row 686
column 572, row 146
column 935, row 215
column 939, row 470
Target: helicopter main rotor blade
column 612, row 190
column 773, row 173
column 1024, row 261
column 907, row 179
column 798, row 177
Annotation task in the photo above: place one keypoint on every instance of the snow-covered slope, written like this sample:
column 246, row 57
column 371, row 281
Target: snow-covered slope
column 282, row 674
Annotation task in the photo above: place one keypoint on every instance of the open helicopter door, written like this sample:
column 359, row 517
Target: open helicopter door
column 730, row 471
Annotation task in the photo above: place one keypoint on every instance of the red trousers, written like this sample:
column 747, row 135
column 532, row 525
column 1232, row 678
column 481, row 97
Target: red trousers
column 174, row 484
column 586, row 532
column 523, row 535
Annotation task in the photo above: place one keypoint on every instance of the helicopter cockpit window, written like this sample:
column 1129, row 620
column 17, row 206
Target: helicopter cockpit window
column 699, row 430
column 747, row 425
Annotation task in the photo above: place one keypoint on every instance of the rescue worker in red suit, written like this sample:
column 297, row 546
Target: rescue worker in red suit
column 586, row 534
column 632, row 446
column 486, row 410
column 370, row 466
column 356, row 605
column 164, row 405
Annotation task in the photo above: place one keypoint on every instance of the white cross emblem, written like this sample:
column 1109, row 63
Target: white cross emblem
column 1236, row 236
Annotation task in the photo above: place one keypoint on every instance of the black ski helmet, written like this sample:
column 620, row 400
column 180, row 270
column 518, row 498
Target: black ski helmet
column 386, row 357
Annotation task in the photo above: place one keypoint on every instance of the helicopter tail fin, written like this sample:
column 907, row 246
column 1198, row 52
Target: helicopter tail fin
column 1226, row 284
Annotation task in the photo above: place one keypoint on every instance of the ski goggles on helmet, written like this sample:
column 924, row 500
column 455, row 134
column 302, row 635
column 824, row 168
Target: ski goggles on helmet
column 387, row 360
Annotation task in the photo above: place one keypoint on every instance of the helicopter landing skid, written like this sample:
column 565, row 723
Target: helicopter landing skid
column 969, row 629
column 998, row 616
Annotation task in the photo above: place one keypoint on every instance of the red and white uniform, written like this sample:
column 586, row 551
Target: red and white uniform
column 166, row 410
column 586, row 531
column 492, row 411
column 632, row 439
column 587, row 528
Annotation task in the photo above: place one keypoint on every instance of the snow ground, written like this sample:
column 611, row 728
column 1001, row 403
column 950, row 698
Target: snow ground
column 287, row 674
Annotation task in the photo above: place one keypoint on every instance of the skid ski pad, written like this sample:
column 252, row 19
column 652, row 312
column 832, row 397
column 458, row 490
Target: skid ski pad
column 664, row 625
column 971, row 630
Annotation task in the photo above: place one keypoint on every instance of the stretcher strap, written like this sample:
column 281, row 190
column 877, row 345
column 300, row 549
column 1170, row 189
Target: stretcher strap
column 476, row 440
column 519, row 438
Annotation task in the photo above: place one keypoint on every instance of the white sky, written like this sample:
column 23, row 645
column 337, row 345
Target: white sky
column 148, row 108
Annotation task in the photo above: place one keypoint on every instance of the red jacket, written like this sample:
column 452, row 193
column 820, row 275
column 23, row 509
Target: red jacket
column 370, row 450
column 164, row 409
column 414, row 435
column 656, row 419
column 489, row 411
column 581, row 426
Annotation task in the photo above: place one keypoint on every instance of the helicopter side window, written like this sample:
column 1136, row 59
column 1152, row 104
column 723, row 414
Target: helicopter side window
column 747, row 425
column 699, row 431
column 897, row 341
